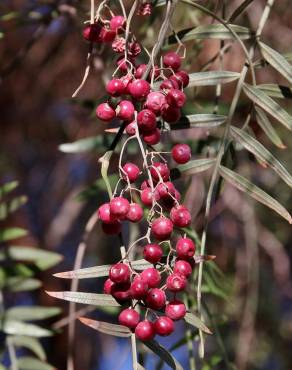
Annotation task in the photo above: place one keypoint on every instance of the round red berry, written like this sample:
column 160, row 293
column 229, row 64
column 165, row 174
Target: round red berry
column 169, row 84
column 104, row 213
column 117, row 22
column 162, row 228
column 92, row 32
column 105, row 112
column 185, row 248
column 182, row 77
column 135, row 213
column 152, row 253
column 139, row 89
column 180, row 216
column 112, row 228
column 140, row 70
column 131, row 128
column 107, row 287
column 129, row 318
column 155, row 299
column 151, row 277
column 164, row 326
column 182, row 267
column 158, row 170
column 119, row 207
column 176, row 282
column 145, row 330
column 175, row 310
column 115, row 87
column 107, row 35
column 165, row 189
column 152, row 137
column 170, row 114
column 181, row 153
column 176, row 98
column 146, row 120
column 131, row 171
column 139, row 288
column 125, row 110
column 155, row 101
column 119, row 273
column 147, row 197
column 121, row 292
column 172, row 60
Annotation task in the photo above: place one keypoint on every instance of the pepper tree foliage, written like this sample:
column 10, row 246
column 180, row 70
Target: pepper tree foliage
column 20, row 265
column 229, row 138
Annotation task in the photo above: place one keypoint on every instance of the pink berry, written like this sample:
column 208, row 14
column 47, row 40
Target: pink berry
column 129, row 318
column 162, row 228
column 145, row 330
column 152, row 137
column 182, row 77
column 107, row 35
column 123, row 65
column 155, row 299
column 176, row 282
column 185, row 248
column 119, row 207
column 165, row 190
column 104, row 213
column 164, row 326
column 169, row 84
column 172, row 60
column 139, row 288
column 140, row 70
column 105, row 112
column 112, row 228
column 131, row 171
column 107, row 287
column 171, row 114
column 181, row 153
column 180, row 216
column 158, row 170
column 131, row 128
column 135, row 213
column 121, row 292
column 175, row 310
column 182, row 267
column 147, row 197
column 152, row 253
column 144, row 185
column 125, row 110
column 139, row 89
column 146, row 120
column 117, row 22
column 155, row 101
column 115, row 87
column 119, row 273
column 176, row 98
column 92, row 32
column 151, row 277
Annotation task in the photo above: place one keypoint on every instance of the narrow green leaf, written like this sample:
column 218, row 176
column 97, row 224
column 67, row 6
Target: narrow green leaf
column 268, row 105
column 199, row 121
column 31, row 313
column 84, row 145
column 105, row 161
column 7, row 188
column 241, row 183
column 255, row 147
column 192, row 167
column 41, row 258
column 14, row 327
column 276, row 60
column 30, row 343
column 106, row 328
column 268, row 129
column 86, row 298
column 20, row 284
column 212, row 78
column 196, row 322
column 11, row 233
column 31, row 363
column 239, row 10
column 163, row 353
column 276, row 91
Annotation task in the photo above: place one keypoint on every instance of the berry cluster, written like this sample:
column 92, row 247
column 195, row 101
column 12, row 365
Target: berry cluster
column 144, row 103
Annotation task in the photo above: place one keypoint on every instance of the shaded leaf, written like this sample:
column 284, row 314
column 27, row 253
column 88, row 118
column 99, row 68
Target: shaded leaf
column 85, row 298
column 106, row 328
column 15, row 327
column 196, row 322
column 268, row 129
column 276, row 91
column 163, row 353
column 276, row 60
column 7, row 188
column 268, row 105
column 199, row 121
column 84, row 145
column 12, row 233
column 31, row 363
column 258, row 194
column 255, row 147
column 9, row 207
column 192, row 167
column 20, row 284
column 212, row 78
column 30, row 343
column 31, row 313
column 239, row 10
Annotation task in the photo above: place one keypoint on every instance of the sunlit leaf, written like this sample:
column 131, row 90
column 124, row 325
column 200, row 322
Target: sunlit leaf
column 7, row 188
column 241, row 183
column 11, row 233
column 199, row 121
column 31, row 363
column 163, row 353
column 9, row 207
column 196, row 322
column 84, row 145
column 212, row 78
column 276, row 91
column 86, row 298
column 268, row 129
column 276, row 60
column 192, row 167
column 106, row 328
column 268, row 105
column 14, row 327
column 255, row 147
column 30, row 343
column 31, row 313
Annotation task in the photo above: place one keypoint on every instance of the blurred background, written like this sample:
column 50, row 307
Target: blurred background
column 43, row 58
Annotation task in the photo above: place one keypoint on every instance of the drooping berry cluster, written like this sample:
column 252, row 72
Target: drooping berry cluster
column 144, row 103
